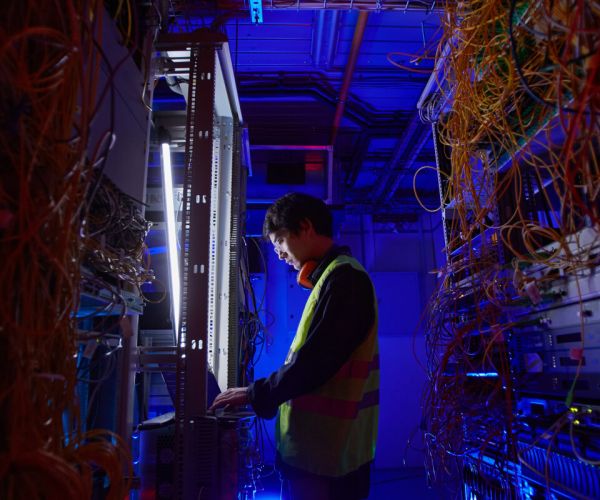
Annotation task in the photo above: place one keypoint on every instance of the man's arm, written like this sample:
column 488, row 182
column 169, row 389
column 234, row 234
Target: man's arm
column 343, row 316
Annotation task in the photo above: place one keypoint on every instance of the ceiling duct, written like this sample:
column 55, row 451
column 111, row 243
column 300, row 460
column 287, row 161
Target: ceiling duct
column 359, row 32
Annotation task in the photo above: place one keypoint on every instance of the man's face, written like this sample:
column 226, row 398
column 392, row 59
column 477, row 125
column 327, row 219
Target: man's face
column 291, row 247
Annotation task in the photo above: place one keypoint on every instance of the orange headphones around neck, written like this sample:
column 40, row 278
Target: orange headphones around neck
column 303, row 276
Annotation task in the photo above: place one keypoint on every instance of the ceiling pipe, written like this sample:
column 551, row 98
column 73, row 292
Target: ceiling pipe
column 411, row 155
column 359, row 31
column 319, row 41
column 398, row 155
column 362, row 116
column 332, row 42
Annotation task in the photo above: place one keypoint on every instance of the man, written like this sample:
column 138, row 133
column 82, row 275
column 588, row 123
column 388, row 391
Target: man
column 327, row 392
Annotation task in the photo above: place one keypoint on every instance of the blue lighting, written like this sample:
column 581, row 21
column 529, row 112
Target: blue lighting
column 168, row 100
column 163, row 103
column 157, row 250
column 482, row 374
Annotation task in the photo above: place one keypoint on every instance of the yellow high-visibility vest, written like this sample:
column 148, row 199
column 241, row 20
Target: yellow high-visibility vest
column 332, row 431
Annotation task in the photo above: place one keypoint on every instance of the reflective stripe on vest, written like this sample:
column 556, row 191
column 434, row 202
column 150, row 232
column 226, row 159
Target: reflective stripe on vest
column 332, row 431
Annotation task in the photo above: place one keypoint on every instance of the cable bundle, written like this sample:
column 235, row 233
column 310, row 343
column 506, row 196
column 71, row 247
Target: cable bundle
column 49, row 68
column 254, row 333
column 521, row 134
column 524, row 90
column 117, row 219
column 113, row 241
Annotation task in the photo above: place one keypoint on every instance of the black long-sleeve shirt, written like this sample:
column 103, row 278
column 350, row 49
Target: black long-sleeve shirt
column 343, row 315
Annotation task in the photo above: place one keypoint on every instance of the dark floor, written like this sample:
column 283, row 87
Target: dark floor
column 403, row 484
column 386, row 484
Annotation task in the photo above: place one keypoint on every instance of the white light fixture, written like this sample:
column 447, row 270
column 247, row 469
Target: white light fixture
column 169, row 202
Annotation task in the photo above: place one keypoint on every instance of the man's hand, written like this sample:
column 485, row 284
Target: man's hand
column 237, row 396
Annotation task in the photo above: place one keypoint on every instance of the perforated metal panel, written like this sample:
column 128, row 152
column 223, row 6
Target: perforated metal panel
column 207, row 336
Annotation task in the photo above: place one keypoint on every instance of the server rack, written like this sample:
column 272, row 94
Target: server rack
column 512, row 406
column 213, row 200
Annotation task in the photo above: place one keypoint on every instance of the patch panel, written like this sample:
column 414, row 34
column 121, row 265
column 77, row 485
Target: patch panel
column 538, row 474
column 548, row 407
column 586, row 389
column 560, row 310
column 565, row 476
column 560, row 361
column 486, row 478
column 547, row 339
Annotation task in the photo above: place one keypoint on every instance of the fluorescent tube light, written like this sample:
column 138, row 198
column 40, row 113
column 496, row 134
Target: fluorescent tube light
column 171, row 234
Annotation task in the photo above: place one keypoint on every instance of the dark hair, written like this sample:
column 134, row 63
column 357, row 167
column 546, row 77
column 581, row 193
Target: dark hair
column 291, row 209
